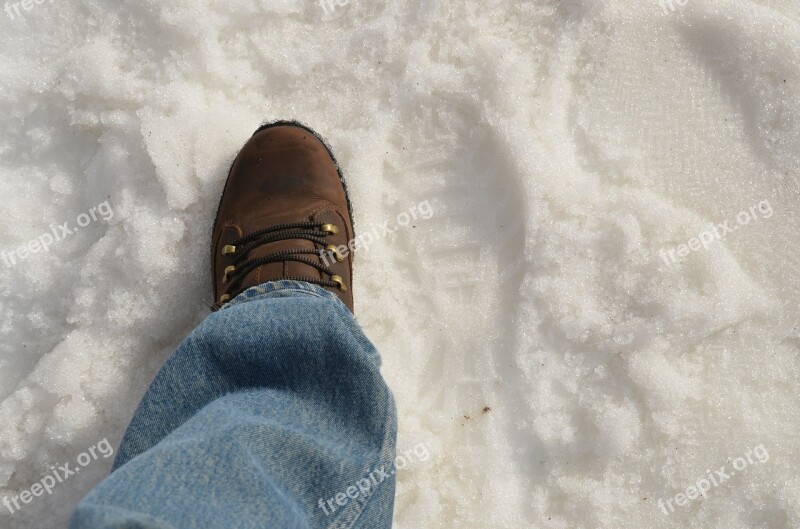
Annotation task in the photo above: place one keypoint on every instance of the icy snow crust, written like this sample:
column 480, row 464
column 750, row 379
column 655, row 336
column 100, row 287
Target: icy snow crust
column 561, row 371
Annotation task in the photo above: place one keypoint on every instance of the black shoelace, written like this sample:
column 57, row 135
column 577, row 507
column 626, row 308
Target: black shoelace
column 308, row 230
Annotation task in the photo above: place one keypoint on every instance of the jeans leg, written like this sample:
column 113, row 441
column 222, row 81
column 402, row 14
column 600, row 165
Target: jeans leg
column 271, row 414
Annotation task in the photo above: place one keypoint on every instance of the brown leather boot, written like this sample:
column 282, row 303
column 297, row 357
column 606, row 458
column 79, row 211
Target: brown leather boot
column 284, row 214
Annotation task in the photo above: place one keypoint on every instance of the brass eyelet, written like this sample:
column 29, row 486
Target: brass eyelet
column 225, row 298
column 330, row 228
column 335, row 251
column 339, row 282
column 229, row 250
column 228, row 271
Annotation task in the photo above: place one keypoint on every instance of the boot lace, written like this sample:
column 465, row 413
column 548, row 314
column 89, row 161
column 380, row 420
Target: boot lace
column 308, row 230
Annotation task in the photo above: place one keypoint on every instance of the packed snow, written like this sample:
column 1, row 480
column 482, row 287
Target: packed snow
column 599, row 315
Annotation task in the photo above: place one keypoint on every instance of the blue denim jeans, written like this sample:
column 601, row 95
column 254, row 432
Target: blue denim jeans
column 271, row 414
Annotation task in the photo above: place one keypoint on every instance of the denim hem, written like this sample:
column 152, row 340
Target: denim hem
column 280, row 288
column 298, row 289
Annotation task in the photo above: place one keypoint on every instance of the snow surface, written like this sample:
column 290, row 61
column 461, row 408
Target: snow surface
column 562, row 372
